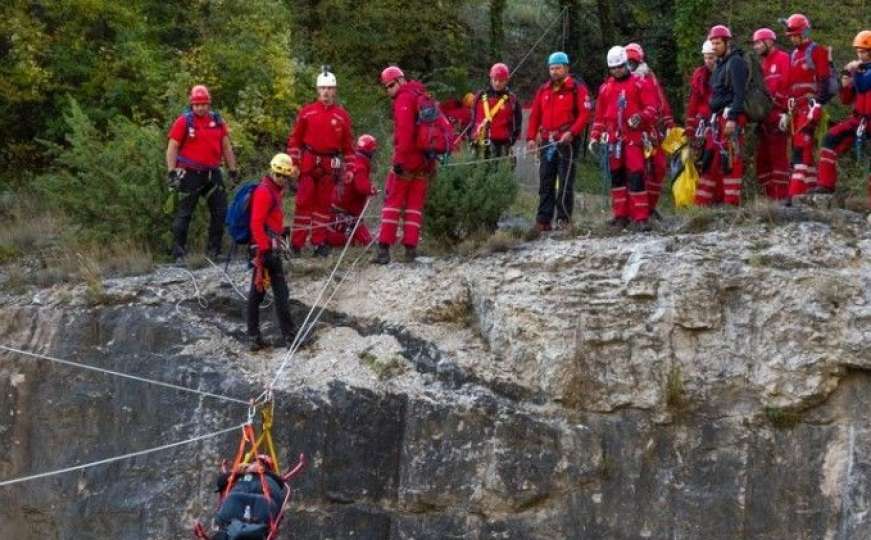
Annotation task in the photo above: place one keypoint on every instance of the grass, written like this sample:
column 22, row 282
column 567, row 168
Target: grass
column 455, row 311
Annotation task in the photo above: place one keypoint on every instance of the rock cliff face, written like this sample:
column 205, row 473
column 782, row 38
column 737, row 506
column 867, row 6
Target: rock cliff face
column 707, row 385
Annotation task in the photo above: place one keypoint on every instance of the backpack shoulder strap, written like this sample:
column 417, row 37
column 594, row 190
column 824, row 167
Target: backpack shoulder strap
column 809, row 57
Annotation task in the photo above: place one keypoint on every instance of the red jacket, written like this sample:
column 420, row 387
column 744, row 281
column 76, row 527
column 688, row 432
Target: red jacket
column 666, row 117
column 458, row 115
column 405, row 151
column 803, row 80
column 320, row 133
column 631, row 94
column 557, row 109
column 267, row 213
column 859, row 93
column 200, row 147
column 698, row 106
column 355, row 193
column 506, row 122
column 775, row 69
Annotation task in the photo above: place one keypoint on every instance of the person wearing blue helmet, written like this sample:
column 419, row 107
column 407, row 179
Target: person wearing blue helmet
column 559, row 113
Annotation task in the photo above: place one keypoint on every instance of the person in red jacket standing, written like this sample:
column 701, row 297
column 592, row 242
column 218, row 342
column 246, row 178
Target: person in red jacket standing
column 653, row 151
column 624, row 110
column 802, row 97
column 496, row 116
column 772, row 162
column 322, row 146
column 198, row 141
column 351, row 197
column 267, row 228
column 698, row 111
column 411, row 172
column 559, row 113
column 855, row 90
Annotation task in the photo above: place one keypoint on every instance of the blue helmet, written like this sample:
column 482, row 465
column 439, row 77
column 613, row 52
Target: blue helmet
column 558, row 57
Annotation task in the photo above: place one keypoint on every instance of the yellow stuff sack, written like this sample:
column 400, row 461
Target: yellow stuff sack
column 684, row 187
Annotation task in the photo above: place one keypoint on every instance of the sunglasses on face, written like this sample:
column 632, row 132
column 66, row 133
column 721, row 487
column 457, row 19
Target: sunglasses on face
column 391, row 85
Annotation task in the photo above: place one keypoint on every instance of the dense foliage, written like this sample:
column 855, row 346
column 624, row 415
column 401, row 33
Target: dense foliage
column 118, row 72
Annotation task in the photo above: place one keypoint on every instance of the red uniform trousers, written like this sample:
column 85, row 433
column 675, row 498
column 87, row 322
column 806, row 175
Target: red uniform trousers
column 404, row 197
column 722, row 166
column 772, row 161
column 343, row 224
column 804, row 146
column 629, row 199
column 838, row 141
column 314, row 197
column 655, row 175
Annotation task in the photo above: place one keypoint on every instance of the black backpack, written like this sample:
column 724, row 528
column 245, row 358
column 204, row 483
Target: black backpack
column 757, row 100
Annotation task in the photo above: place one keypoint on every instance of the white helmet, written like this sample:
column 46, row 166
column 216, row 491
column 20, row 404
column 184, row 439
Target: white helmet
column 325, row 78
column 617, row 56
column 707, row 47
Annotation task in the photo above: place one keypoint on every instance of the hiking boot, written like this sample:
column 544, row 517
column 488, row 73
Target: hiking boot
column 322, row 250
column 256, row 343
column 821, row 190
column 295, row 252
column 410, row 254
column 655, row 215
column 542, row 227
column 618, row 222
column 640, row 226
column 383, row 255
column 214, row 253
column 563, row 224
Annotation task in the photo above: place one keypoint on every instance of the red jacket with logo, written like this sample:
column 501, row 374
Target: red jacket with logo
column 629, row 95
column 405, row 151
column 651, row 83
column 775, row 69
column 803, row 80
column 355, row 193
column 266, row 213
column 506, row 122
column 559, row 108
column 320, row 133
column 200, row 147
column 698, row 105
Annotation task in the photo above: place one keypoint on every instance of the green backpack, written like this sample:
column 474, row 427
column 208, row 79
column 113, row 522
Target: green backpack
column 757, row 100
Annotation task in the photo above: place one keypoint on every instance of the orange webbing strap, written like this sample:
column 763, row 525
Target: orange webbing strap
column 247, row 437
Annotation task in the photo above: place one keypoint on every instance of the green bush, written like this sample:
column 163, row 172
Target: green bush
column 464, row 200
column 109, row 184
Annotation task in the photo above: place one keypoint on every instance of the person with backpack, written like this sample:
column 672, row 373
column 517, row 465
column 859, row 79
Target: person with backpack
column 806, row 90
column 657, row 163
column 416, row 122
column 772, row 161
column 253, row 502
column 722, row 157
column 698, row 109
column 497, row 116
column 199, row 140
column 351, row 197
column 854, row 131
column 267, row 235
column 559, row 113
column 625, row 110
column 321, row 145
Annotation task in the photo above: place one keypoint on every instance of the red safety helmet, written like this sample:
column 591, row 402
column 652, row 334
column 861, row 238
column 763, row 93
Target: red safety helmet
column 634, row 52
column 720, row 32
column 797, row 25
column 764, row 33
column 266, row 461
column 200, row 94
column 500, row 72
column 367, row 143
column 390, row 74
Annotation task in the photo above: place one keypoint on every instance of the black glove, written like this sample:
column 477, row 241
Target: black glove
column 397, row 169
column 234, row 175
column 173, row 179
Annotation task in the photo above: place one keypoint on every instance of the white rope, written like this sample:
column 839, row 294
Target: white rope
column 118, row 458
column 500, row 158
column 198, row 295
column 122, row 375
